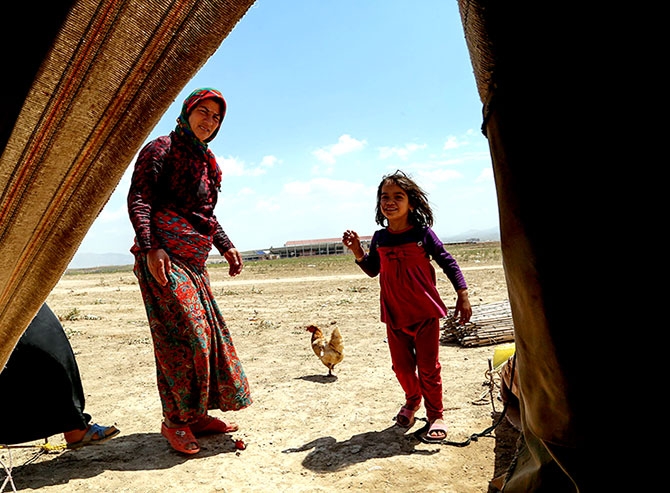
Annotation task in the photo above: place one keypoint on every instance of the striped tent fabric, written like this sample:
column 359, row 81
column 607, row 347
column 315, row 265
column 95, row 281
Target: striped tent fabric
column 111, row 71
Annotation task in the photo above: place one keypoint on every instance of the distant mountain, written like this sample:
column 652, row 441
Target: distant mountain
column 491, row 234
column 88, row 260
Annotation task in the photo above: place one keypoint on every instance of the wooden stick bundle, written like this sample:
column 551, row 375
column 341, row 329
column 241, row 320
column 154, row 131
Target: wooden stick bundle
column 489, row 324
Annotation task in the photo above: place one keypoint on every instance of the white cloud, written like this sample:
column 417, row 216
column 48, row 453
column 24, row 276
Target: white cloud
column 451, row 143
column 440, row 175
column 268, row 205
column 245, row 192
column 345, row 145
column 466, row 139
column 269, row 161
column 325, row 156
column 401, row 152
column 319, row 187
column 296, row 188
column 485, row 176
column 447, row 162
column 232, row 166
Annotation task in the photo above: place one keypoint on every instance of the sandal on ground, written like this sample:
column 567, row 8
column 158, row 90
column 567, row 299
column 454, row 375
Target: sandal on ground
column 95, row 435
column 405, row 417
column 437, row 432
column 209, row 425
column 181, row 439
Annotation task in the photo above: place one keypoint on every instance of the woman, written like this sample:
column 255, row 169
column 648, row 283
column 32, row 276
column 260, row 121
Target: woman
column 171, row 203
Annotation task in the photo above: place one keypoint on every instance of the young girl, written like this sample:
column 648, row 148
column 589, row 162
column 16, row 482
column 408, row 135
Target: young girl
column 411, row 306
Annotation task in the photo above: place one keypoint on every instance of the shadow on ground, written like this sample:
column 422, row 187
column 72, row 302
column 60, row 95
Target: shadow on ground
column 134, row 452
column 328, row 455
column 507, row 437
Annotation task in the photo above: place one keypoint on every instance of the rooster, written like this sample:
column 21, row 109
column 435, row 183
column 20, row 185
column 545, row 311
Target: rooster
column 330, row 352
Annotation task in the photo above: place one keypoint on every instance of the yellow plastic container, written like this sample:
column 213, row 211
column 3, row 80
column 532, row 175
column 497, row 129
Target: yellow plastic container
column 502, row 353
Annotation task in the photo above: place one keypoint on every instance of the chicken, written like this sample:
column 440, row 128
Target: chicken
column 330, row 352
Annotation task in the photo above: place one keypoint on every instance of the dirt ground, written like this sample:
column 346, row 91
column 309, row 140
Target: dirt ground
column 305, row 431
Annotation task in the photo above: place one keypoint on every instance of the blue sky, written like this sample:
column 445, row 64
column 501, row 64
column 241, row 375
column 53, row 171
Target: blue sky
column 324, row 98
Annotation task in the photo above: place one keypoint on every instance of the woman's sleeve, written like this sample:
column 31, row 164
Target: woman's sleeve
column 142, row 192
column 445, row 260
column 221, row 241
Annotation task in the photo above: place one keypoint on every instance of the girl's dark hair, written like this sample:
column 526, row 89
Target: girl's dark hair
column 420, row 212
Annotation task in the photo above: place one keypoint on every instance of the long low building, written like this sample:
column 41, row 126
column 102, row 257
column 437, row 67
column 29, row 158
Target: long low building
column 298, row 248
column 323, row 246
column 309, row 248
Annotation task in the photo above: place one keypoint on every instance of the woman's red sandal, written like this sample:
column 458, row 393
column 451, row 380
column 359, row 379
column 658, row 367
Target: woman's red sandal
column 180, row 439
column 209, row 425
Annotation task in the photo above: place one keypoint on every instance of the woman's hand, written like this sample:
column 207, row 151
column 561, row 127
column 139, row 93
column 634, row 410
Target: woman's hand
column 159, row 265
column 234, row 260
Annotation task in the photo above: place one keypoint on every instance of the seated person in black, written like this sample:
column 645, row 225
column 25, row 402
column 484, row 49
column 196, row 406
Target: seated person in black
column 41, row 389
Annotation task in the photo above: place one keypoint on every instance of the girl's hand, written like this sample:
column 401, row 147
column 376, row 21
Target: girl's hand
column 351, row 240
column 159, row 265
column 234, row 260
column 463, row 310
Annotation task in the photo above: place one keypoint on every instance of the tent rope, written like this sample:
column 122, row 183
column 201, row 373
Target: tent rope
column 43, row 448
column 420, row 433
column 8, row 471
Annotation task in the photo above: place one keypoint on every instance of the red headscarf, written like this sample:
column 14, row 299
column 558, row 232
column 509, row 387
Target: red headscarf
column 184, row 128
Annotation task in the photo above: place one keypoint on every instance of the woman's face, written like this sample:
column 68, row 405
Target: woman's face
column 205, row 118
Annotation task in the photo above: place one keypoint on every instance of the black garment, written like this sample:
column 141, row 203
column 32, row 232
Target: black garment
column 41, row 389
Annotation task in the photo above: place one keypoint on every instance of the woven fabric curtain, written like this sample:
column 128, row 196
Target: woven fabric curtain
column 110, row 73
column 540, row 69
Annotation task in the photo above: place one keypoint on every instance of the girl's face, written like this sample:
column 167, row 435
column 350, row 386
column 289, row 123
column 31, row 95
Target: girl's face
column 394, row 204
column 205, row 118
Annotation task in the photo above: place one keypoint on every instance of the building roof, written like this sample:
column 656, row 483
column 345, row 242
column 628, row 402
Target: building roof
column 295, row 243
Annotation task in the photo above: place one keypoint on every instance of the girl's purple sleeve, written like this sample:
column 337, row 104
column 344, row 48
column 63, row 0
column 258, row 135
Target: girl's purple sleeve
column 445, row 260
column 371, row 263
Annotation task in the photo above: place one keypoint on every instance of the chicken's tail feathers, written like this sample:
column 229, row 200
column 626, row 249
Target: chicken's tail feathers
column 336, row 336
